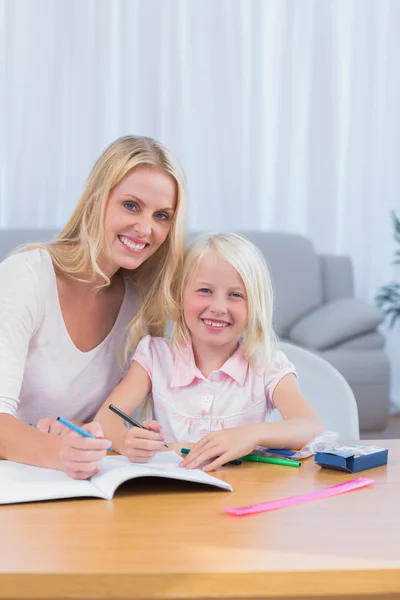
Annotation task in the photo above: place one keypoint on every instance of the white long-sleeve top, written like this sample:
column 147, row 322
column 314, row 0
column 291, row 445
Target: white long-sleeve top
column 42, row 372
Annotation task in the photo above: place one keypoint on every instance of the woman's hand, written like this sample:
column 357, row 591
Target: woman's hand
column 51, row 425
column 140, row 445
column 222, row 446
column 80, row 456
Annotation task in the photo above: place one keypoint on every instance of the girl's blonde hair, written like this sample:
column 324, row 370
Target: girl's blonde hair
column 77, row 248
column 238, row 251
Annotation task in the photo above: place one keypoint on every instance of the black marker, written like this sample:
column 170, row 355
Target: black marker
column 127, row 418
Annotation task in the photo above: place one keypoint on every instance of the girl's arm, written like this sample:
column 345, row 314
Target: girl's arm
column 300, row 421
column 139, row 445
column 300, row 425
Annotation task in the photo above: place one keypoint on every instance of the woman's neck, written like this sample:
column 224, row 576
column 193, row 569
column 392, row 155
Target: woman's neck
column 211, row 358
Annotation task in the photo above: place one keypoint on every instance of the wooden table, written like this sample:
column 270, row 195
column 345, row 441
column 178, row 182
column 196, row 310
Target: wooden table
column 171, row 540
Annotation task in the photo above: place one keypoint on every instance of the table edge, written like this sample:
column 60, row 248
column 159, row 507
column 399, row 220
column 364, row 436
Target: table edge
column 284, row 584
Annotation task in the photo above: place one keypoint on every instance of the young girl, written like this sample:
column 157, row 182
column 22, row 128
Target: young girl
column 219, row 378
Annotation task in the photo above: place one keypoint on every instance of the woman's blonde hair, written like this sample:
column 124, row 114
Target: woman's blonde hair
column 238, row 251
column 76, row 249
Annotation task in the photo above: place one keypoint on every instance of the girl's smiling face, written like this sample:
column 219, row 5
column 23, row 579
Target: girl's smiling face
column 215, row 303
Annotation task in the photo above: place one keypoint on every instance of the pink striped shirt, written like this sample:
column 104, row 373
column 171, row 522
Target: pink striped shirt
column 189, row 405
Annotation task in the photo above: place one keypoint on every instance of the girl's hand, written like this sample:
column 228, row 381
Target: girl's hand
column 221, row 446
column 51, row 425
column 80, row 456
column 140, row 445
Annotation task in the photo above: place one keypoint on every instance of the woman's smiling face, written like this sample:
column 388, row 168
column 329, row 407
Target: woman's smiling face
column 138, row 216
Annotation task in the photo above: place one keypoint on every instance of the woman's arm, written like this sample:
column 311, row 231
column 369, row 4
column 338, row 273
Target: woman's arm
column 137, row 444
column 21, row 314
column 77, row 456
column 21, row 443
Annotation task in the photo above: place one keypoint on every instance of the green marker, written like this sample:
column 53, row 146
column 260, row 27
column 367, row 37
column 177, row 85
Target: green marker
column 274, row 461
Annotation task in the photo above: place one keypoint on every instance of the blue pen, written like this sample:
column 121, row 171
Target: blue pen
column 78, row 429
column 281, row 451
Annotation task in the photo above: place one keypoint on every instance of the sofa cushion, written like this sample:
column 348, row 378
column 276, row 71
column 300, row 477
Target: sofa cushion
column 368, row 373
column 335, row 322
column 364, row 366
column 295, row 272
column 372, row 340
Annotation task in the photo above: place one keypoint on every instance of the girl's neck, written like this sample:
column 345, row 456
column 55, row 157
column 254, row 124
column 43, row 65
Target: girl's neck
column 211, row 358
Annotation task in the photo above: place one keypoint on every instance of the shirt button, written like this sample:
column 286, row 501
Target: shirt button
column 208, row 398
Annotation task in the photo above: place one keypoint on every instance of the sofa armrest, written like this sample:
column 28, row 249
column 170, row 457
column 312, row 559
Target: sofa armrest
column 337, row 277
column 334, row 323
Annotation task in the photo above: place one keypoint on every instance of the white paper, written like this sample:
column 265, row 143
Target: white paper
column 24, row 483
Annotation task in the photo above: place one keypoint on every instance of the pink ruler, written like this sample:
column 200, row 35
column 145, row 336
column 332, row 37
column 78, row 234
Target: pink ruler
column 348, row 486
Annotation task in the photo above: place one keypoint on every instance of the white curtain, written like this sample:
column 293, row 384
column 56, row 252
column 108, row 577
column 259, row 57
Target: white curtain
column 284, row 113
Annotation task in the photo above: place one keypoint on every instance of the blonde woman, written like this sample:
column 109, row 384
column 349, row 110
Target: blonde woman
column 65, row 306
column 219, row 378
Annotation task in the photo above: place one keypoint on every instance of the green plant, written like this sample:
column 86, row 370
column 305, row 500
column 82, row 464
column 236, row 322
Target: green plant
column 388, row 297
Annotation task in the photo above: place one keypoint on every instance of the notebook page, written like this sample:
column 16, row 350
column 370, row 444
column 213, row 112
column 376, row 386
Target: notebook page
column 115, row 470
column 24, row 483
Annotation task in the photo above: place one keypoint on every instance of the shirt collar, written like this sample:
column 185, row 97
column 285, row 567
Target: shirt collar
column 236, row 366
column 185, row 370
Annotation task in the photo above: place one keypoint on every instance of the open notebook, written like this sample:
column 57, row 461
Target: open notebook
column 23, row 483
